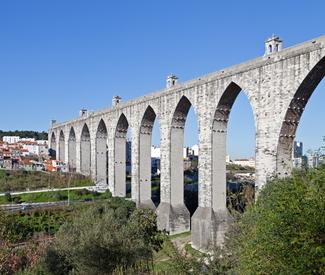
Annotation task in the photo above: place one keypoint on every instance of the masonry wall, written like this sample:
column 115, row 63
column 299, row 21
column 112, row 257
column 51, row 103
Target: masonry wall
column 269, row 82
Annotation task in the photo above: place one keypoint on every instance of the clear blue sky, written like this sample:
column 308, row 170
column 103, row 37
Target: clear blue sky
column 58, row 56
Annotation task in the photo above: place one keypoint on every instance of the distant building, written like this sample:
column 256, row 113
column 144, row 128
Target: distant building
column 34, row 148
column 297, row 162
column 313, row 161
column 11, row 139
column 245, row 162
column 155, row 152
column 190, row 151
column 297, row 149
column 55, row 165
column 27, row 139
column 155, row 166
column 228, row 159
column 128, row 157
column 195, row 150
column 128, row 151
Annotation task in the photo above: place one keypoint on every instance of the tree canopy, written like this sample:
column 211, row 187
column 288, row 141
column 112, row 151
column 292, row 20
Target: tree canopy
column 25, row 134
column 284, row 231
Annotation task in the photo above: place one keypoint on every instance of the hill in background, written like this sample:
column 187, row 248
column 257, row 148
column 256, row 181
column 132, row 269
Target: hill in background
column 25, row 134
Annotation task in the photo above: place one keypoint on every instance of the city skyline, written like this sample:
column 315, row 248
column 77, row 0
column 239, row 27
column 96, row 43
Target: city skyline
column 58, row 58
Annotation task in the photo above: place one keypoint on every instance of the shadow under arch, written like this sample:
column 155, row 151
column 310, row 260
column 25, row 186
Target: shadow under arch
column 72, row 152
column 85, row 151
column 120, row 156
column 292, row 117
column 145, row 137
column 101, row 153
column 52, row 150
column 61, row 146
column 219, row 141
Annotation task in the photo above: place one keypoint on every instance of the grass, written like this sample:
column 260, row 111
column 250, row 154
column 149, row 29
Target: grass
column 163, row 259
column 55, row 196
column 193, row 252
column 11, row 181
column 180, row 235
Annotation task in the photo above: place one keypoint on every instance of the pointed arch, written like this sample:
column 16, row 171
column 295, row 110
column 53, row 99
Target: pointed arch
column 53, row 146
column 145, row 136
column 85, row 150
column 176, row 153
column 120, row 156
column 101, row 152
column 219, row 141
column 72, row 152
column 292, row 117
column 122, row 127
column 61, row 146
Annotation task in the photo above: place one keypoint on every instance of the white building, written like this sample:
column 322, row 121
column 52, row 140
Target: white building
column 155, row 152
column 41, row 142
column 27, row 139
column 35, row 149
column 11, row 139
column 297, row 162
column 245, row 162
column 313, row 161
column 228, row 159
column 195, row 150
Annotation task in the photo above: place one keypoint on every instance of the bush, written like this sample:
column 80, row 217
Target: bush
column 284, row 231
column 60, row 197
column 8, row 197
column 17, row 200
column 105, row 239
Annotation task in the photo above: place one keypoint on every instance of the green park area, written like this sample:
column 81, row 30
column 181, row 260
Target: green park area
column 53, row 196
column 13, row 181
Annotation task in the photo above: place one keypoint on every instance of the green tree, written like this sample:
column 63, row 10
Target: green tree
column 103, row 239
column 284, row 231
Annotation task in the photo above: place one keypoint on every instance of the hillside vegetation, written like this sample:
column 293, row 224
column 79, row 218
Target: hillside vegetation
column 11, row 180
column 283, row 232
column 25, row 134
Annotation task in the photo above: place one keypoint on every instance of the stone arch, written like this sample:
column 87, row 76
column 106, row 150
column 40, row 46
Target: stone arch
column 72, row 152
column 176, row 155
column 61, row 146
column 101, row 153
column 219, row 140
column 145, row 136
column 85, row 151
column 120, row 156
column 293, row 115
column 53, row 146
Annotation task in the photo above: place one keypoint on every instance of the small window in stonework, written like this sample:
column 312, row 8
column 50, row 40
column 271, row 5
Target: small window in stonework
column 277, row 47
column 270, row 48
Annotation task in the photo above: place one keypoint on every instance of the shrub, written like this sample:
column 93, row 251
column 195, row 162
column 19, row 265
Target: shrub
column 284, row 231
column 8, row 197
column 17, row 200
column 104, row 239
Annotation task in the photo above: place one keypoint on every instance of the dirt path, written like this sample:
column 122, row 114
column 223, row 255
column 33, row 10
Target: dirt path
column 181, row 242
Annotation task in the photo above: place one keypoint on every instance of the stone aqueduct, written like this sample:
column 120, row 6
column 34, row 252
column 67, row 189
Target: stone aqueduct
column 277, row 85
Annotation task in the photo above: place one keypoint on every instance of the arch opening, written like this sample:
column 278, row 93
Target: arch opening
column 149, row 162
column 61, row 147
column 52, row 151
column 101, row 153
column 284, row 161
column 233, row 159
column 122, row 156
column 72, row 152
column 85, row 151
column 183, row 186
